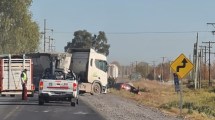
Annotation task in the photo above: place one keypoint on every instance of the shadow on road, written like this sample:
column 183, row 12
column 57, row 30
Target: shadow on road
column 17, row 101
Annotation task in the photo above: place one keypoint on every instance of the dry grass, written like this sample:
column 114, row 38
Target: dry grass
column 164, row 97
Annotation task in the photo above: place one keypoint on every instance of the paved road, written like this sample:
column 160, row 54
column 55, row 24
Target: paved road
column 13, row 108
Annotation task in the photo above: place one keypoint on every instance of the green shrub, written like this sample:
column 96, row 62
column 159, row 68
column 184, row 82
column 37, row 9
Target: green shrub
column 169, row 105
column 188, row 105
column 190, row 111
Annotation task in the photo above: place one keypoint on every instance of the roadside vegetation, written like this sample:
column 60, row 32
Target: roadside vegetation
column 197, row 104
column 18, row 32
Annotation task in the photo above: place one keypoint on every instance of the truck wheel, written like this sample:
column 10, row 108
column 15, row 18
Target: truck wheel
column 73, row 104
column 41, row 101
column 3, row 95
column 76, row 101
column 96, row 88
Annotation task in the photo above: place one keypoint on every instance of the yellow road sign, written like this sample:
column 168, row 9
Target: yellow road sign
column 182, row 66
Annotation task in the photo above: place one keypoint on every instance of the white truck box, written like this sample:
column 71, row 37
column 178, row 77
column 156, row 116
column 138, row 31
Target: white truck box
column 10, row 71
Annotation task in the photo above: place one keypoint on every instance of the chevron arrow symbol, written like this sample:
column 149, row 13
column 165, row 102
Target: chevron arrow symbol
column 184, row 61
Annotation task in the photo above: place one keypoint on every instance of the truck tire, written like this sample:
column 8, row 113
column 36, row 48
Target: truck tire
column 41, row 101
column 77, row 101
column 73, row 104
column 3, row 95
column 96, row 88
column 73, row 101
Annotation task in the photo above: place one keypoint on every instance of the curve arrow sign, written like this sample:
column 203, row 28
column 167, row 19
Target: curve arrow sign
column 184, row 61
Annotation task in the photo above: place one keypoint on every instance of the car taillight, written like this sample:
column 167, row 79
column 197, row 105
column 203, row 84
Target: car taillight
column 32, row 87
column 41, row 85
column 122, row 86
column 75, row 86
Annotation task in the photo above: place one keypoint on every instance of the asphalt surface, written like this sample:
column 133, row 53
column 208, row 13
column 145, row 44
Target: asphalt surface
column 13, row 108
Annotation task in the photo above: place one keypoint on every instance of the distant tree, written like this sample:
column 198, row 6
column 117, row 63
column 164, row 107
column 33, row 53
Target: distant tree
column 164, row 69
column 84, row 39
column 143, row 68
column 18, row 33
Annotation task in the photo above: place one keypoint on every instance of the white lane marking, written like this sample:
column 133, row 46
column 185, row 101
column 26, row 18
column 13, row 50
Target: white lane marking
column 10, row 113
column 81, row 113
column 45, row 111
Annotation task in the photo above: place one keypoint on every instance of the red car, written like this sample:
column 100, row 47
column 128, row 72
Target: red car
column 125, row 86
column 130, row 87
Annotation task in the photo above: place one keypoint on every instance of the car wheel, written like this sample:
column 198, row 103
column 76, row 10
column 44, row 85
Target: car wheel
column 41, row 101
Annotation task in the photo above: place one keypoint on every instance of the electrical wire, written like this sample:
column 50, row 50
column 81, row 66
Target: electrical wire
column 155, row 32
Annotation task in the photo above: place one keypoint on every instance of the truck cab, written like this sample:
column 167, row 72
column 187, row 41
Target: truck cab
column 91, row 68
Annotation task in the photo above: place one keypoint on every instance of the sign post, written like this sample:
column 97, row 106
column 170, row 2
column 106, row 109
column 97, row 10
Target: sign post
column 181, row 66
column 178, row 88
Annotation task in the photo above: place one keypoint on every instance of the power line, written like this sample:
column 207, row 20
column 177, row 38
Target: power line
column 153, row 32
column 165, row 32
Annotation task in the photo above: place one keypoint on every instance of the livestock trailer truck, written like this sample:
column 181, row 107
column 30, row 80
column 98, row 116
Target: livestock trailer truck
column 11, row 67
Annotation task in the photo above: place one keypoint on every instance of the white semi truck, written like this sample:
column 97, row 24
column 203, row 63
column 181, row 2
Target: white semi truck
column 91, row 68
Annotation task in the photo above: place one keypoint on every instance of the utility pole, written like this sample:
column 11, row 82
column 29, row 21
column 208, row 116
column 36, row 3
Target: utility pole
column 203, row 51
column 52, row 47
column 130, row 70
column 195, row 60
column 209, row 64
column 170, row 73
column 44, row 35
column 199, row 68
column 50, row 44
column 132, row 67
column 162, row 70
column 154, row 70
column 136, row 67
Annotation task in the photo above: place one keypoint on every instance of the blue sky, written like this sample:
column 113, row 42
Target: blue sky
column 137, row 30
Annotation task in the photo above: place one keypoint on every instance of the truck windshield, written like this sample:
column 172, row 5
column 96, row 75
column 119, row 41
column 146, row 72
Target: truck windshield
column 101, row 64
